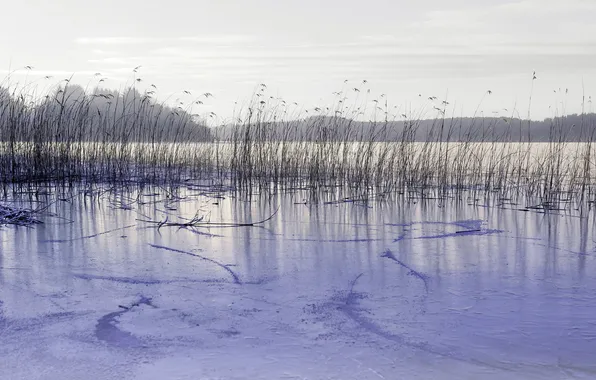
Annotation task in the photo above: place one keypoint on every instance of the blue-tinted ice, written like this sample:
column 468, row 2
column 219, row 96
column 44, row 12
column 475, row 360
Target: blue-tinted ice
column 329, row 291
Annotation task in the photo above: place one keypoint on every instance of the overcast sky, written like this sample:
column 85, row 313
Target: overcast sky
column 304, row 50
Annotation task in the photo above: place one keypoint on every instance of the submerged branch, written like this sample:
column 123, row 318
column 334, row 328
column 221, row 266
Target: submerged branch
column 198, row 222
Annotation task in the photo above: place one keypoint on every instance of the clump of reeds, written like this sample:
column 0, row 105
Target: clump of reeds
column 463, row 158
column 17, row 216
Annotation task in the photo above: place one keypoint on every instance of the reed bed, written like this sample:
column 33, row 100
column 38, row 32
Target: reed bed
column 99, row 136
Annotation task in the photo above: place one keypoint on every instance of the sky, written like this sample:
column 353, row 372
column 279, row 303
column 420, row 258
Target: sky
column 303, row 51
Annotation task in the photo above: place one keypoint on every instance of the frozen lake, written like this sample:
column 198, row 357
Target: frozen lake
column 377, row 290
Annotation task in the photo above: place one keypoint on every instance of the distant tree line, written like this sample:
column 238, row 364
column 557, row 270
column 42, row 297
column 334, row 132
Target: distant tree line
column 571, row 128
column 71, row 114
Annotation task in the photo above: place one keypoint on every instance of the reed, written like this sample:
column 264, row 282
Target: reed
column 76, row 135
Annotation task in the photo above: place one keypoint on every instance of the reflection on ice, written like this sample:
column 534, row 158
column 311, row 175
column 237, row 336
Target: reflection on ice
column 319, row 291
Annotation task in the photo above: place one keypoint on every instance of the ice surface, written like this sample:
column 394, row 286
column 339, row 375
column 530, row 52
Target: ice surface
column 329, row 291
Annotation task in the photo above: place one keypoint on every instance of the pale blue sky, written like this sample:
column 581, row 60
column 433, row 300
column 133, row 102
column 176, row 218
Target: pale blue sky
column 304, row 50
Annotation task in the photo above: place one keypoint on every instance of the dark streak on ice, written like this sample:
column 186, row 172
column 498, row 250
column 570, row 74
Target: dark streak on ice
column 350, row 308
column 225, row 267
column 2, row 320
column 196, row 232
column 26, row 324
column 126, row 280
column 461, row 233
column 388, row 254
column 88, row 236
column 400, row 237
column 470, row 227
column 133, row 280
column 336, row 240
column 107, row 329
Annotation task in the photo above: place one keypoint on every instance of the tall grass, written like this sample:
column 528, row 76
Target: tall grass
column 102, row 136
column 74, row 135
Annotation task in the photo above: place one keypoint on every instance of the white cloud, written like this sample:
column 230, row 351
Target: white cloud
column 547, row 6
column 53, row 73
column 218, row 39
column 103, row 52
column 114, row 61
column 518, row 27
column 203, row 39
column 116, row 40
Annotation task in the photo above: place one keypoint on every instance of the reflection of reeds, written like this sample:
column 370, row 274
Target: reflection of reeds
column 128, row 137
